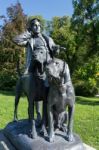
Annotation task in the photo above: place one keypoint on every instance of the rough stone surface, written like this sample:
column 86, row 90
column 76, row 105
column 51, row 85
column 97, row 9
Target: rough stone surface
column 87, row 147
column 19, row 135
column 5, row 143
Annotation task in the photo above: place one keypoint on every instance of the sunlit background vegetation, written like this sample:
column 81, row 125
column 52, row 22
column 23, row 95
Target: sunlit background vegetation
column 79, row 34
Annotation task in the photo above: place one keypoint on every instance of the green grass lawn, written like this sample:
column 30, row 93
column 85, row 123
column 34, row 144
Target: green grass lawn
column 86, row 118
column 86, row 122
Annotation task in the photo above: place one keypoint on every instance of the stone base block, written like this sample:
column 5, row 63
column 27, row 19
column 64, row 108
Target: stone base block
column 18, row 133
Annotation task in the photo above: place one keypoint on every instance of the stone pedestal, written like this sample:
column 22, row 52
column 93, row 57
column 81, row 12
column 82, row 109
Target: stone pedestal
column 5, row 144
column 18, row 133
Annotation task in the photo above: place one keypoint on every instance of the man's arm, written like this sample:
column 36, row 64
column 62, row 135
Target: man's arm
column 55, row 48
column 22, row 39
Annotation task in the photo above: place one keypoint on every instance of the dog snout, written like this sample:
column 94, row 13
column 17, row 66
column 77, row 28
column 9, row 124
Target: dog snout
column 35, row 55
column 48, row 72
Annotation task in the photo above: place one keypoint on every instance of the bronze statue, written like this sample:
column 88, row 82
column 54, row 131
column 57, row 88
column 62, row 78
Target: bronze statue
column 46, row 79
column 61, row 94
column 40, row 50
column 36, row 81
column 34, row 40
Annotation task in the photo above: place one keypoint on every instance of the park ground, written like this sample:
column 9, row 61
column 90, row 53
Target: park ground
column 86, row 117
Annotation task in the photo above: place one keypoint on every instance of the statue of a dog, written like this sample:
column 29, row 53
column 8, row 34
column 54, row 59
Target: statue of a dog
column 35, row 87
column 61, row 94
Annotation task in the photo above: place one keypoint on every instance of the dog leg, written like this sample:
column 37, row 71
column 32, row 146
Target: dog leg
column 44, row 119
column 18, row 94
column 62, row 120
column 17, row 97
column 16, row 106
column 70, row 124
column 31, row 116
column 38, row 120
column 50, row 125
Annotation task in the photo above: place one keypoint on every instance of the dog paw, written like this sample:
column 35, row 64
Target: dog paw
column 43, row 130
column 34, row 135
column 51, row 139
column 70, row 137
column 15, row 120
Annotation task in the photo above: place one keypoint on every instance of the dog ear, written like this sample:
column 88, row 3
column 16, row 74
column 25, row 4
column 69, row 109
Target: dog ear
column 62, row 72
column 66, row 73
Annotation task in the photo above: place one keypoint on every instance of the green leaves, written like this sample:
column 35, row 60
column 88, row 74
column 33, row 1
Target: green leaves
column 64, row 36
column 14, row 24
column 78, row 34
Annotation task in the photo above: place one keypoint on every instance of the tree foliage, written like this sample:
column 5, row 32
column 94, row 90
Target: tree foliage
column 14, row 24
column 85, row 22
column 78, row 34
column 63, row 35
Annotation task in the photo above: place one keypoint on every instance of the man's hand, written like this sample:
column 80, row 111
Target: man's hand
column 62, row 48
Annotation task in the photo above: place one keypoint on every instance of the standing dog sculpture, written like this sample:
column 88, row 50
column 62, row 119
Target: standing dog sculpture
column 61, row 94
column 35, row 87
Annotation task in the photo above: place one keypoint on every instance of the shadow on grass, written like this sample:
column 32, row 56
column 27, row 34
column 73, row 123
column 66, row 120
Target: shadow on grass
column 10, row 93
column 79, row 100
column 7, row 93
column 88, row 101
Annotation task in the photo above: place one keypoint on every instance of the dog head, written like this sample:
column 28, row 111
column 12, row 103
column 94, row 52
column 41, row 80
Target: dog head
column 41, row 56
column 57, row 71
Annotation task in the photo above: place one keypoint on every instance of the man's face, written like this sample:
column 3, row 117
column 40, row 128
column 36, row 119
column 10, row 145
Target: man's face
column 36, row 27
